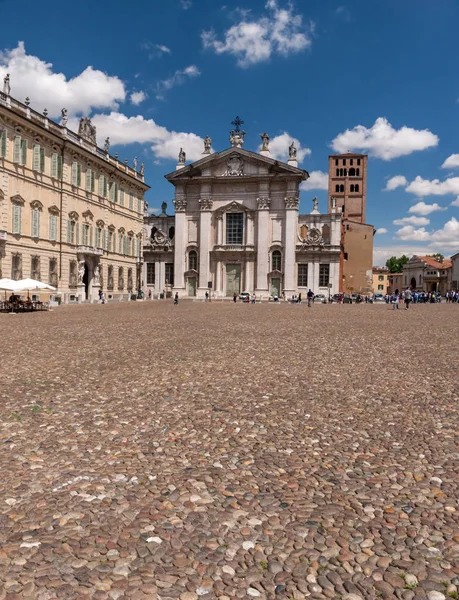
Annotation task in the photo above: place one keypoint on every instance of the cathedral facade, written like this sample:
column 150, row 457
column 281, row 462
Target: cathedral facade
column 237, row 228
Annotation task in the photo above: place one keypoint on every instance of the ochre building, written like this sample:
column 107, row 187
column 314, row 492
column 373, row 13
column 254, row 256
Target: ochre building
column 70, row 213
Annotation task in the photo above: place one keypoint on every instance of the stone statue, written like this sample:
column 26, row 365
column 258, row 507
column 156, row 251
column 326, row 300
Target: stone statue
column 81, row 268
column 207, row 144
column 64, row 117
column 265, row 142
column 315, row 204
column 6, row 84
column 142, row 168
column 292, row 151
column 333, row 202
column 106, row 145
column 87, row 130
column 134, row 162
column 181, row 157
column 237, row 138
column 96, row 277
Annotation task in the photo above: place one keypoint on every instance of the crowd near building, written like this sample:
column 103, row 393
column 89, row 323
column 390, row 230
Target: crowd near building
column 71, row 214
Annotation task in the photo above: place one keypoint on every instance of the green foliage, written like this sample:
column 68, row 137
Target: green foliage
column 438, row 256
column 395, row 265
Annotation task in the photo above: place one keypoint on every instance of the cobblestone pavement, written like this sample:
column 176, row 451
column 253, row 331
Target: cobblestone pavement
column 229, row 451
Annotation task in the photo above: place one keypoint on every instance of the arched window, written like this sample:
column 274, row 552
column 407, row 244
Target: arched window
column 341, row 188
column 337, row 172
column 352, row 187
column 341, row 172
column 337, row 188
column 352, row 172
column 192, row 260
column 357, row 172
column 351, row 161
column 345, row 172
column 336, row 161
column 356, row 187
column 171, row 233
column 276, row 260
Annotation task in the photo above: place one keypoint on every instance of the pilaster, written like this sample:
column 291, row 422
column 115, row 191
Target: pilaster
column 291, row 223
column 263, row 206
column 180, row 204
column 205, row 224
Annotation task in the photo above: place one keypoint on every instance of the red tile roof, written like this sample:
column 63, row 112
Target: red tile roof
column 435, row 264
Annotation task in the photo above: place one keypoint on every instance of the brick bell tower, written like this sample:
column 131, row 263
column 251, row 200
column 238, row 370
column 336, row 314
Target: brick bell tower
column 347, row 182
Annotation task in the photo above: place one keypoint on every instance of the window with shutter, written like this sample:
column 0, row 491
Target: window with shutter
column 74, row 173
column 54, row 164
column 17, row 149
column 16, row 218
column 112, row 192
column 69, row 232
column 42, row 160
column 3, row 140
column 116, row 192
column 105, row 187
column 97, row 241
column 90, row 235
column 101, row 185
column 59, row 167
column 131, row 201
column 35, row 223
column 24, row 152
column 114, row 241
column 36, row 157
column 120, row 246
column 77, row 234
column 78, row 174
column 125, row 245
column 121, row 197
column 88, row 180
column 105, row 239
column 53, row 228
column 84, row 234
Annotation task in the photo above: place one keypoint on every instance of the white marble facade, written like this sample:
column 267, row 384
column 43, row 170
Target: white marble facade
column 237, row 228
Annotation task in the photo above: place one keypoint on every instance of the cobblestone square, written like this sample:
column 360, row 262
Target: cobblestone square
column 229, row 451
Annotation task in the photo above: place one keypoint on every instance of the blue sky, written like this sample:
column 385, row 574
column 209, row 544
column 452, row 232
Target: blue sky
column 369, row 76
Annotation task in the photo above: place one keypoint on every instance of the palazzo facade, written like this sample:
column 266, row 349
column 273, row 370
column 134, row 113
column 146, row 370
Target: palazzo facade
column 71, row 214
column 237, row 228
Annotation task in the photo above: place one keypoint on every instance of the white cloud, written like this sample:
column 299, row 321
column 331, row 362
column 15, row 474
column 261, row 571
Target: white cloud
column 395, row 182
column 434, row 187
column 383, row 141
column 165, row 144
column 279, row 145
column 448, row 235
column 382, row 230
column 455, row 202
column 382, row 253
column 410, row 233
column 138, row 97
column 421, row 208
column 281, row 32
column 452, row 162
column 163, row 49
column 177, row 78
column 155, row 50
column 417, row 221
column 32, row 77
column 318, row 180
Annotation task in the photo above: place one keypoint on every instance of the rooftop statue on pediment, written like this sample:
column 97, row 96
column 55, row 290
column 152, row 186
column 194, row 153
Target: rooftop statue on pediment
column 87, row 130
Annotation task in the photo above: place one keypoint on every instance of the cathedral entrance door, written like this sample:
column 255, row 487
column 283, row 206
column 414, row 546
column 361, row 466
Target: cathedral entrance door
column 233, row 279
column 275, row 287
column 191, row 286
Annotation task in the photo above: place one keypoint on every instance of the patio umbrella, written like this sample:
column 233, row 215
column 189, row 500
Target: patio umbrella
column 8, row 285
column 32, row 285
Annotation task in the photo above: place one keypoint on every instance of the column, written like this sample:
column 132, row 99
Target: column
column 180, row 204
column 315, row 267
column 218, row 283
column 250, row 229
column 205, row 224
column 291, row 224
column 263, row 205
column 220, row 229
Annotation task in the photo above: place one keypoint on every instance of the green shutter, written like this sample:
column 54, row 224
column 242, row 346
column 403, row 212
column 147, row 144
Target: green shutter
column 88, row 180
column 77, row 233
column 36, row 157
column 131, row 200
column 53, row 228
column 105, row 187
column 92, row 180
column 16, row 218
column 59, row 166
column 24, row 152
column 35, row 223
column 78, row 174
column 17, row 149
column 74, row 173
column 125, row 245
column 97, row 241
column 3, row 139
column 115, row 185
column 69, row 231
column 42, row 160
column 54, row 164
column 105, row 239
column 121, row 197
column 90, row 235
column 100, row 189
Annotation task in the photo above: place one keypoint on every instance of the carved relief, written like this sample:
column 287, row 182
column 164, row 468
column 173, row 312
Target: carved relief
column 292, row 202
column 311, row 237
column 235, row 166
column 180, row 204
column 263, row 203
column 205, row 203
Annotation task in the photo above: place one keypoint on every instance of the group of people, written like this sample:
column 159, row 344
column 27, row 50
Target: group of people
column 418, row 297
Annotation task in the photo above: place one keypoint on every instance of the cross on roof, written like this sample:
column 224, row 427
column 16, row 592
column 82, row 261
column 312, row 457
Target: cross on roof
column 237, row 124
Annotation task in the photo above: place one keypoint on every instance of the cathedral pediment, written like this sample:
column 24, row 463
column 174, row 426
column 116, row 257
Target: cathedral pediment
column 235, row 163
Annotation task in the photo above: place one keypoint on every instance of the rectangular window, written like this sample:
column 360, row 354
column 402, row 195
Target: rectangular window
column 24, row 152
column 113, row 194
column 53, row 272
column 16, row 267
column 344, row 162
column 113, row 242
column 234, row 228
column 35, row 223
column 89, row 180
column 53, row 228
column 97, row 241
column 16, row 218
column 3, row 140
column 380, row 277
column 76, row 174
column 54, row 161
column 36, row 157
column 170, row 273
column 35, row 268
column 20, row 151
column 139, row 205
column 100, row 190
column 150, row 273
column 336, row 162
column 131, row 201
column 125, row 245
column 380, row 287
column 84, row 234
column 302, row 275
column 358, row 161
column 71, row 231
column 324, row 275
column 105, row 240
column 121, row 197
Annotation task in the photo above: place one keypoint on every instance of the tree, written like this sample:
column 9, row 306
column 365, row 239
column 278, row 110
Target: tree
column 395, row 265
column 438, row 256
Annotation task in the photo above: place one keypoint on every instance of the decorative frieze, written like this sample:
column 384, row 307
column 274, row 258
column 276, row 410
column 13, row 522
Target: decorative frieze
column 292, row 202
column 263, row 203
column 180, row 204
column 205, row 203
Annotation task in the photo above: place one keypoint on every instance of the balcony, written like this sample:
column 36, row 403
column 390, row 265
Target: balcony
column 234, row 248
column 92, row 250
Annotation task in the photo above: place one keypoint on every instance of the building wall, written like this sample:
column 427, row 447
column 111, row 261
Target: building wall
column 380, row 281
column 49, row 186
column 455, row 272
column 342, row 185
column 357, row 275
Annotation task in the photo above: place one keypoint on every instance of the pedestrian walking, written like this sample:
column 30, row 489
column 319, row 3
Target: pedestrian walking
column 408, row 298
column 207, row 296
column 310, row 298
column 394, row 301
column 176, row 298
column 149, row 294
column 234, row 297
